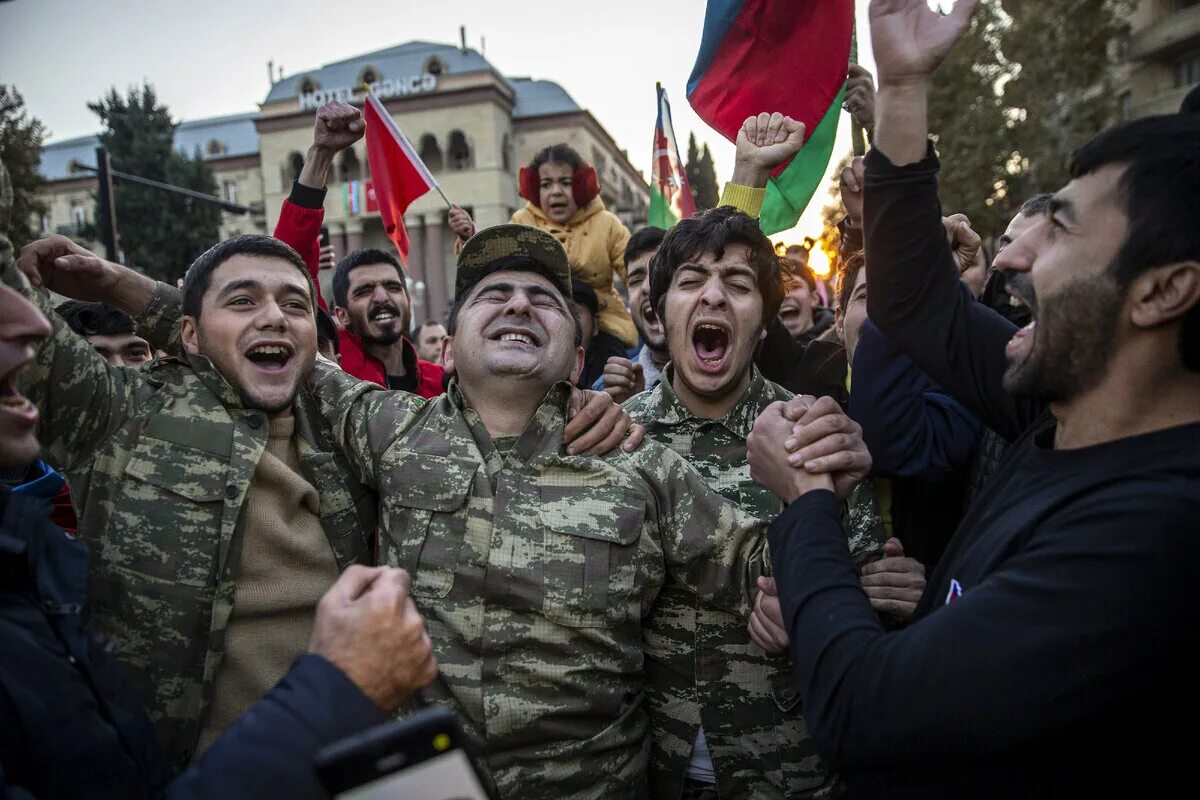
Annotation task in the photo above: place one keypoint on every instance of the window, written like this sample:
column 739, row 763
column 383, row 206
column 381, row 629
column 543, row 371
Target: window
column 291, row 169
column 229, row 189
column 431, row 152
column 1124, row 106
column 459, row 152
column 78, row 216
column 214, row 148
column 600, row 162
column 506, row 153
column 45, row 223
column 368, row 75
column 307, row 85
column 434, row 66
column 1187, row 70
column 350, row 166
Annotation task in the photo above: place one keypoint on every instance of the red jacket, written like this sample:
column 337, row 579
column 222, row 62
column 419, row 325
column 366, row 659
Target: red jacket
column 300, row 227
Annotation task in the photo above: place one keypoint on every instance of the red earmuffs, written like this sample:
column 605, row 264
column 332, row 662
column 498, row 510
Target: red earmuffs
column 585, row 185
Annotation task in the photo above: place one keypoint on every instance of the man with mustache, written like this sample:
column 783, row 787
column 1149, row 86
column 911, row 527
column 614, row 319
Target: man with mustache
column 1051, row 653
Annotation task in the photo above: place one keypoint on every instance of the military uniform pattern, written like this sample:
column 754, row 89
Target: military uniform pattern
column 159, row 461
column 534, row 571
column 701, row 666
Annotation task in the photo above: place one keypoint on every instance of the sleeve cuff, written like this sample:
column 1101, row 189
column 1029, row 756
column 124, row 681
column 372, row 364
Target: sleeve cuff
column 877, row 166
column 158, row 321
column 307, row 196
column 744, row 198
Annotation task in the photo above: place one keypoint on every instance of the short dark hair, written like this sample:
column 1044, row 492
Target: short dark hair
column 513, row 264
column 712, row 232
column 804, row 272
column 1036, row 206
column 361, row 258
column 327, row 331
column 94, row 319
column 848, row 276
column 1161, row 182
column 199, row 275
column 557, row 154
column 647, row 240
column 427, row 323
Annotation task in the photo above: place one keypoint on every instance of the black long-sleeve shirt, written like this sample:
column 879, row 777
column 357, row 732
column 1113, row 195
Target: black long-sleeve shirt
column 1051, row 650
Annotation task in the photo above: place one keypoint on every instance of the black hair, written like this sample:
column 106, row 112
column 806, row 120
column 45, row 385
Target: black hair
column 557, row 154
column 327, row 331
column 1160, row 191
column 361, row 258
column 512, row 264
column 94, row 319
column 647, row 240
column 712, row 232
column 1037, row 205
column 199, row 275
column 848, row 276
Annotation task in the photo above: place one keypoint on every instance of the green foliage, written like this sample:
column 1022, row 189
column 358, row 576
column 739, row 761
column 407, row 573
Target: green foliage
column 21, row 138
column 159, row 231
column 702, row 176
column 1029, row 82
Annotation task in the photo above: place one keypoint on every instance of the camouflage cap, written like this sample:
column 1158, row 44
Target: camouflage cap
column 500, row 241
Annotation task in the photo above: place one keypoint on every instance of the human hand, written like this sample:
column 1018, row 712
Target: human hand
column 894, row 583
column 328, row 258
column 766, row 622
column 58, row 264
column 763, row 143
column 338, row 125
column 965, row 243
column 369, row 628
column 770, row 466
column 860, row 97
column 825, row 440
column 623, row 378
column 461, row 223
column 850, row 184
column 598, row 424
column 910, row 39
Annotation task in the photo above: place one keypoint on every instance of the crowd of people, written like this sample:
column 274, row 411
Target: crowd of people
column 648, row 511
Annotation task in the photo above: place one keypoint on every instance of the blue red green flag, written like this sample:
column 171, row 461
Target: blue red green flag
column 670, row 195
column 789, row 56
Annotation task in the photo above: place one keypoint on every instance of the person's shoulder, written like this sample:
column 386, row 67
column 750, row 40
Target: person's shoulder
column 641, row 405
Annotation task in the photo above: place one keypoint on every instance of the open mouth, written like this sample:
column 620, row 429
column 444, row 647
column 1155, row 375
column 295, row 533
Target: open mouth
column 384, row 315
column 710, row 342
column 1021, row 343
column 270, row 357
column 558, row 206
column 14, row 403
column 522, row 338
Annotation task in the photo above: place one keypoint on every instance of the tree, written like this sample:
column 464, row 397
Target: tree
column 702, row 175
column 21, row 138
column 160, row 232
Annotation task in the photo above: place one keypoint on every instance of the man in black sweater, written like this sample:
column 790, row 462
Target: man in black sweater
column 1051, row 651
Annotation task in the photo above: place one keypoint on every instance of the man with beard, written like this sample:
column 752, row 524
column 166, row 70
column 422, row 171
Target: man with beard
column 370, row 291
column 623, row 377
column 217, row 513
column 1052, row 653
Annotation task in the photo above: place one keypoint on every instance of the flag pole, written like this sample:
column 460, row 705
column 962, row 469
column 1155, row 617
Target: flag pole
column 858, row 139
column 367, row 88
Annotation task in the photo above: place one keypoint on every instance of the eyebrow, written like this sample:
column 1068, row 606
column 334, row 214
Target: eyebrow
column 1063, row 207
column 372, row 284
column 249, row 283
column 531, row 288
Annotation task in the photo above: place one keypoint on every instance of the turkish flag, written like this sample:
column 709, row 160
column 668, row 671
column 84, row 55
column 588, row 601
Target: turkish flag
column 398, row 176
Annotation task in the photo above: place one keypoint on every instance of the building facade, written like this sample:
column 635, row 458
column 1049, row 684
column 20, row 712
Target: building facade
column 1161, row 56
column 472, row 126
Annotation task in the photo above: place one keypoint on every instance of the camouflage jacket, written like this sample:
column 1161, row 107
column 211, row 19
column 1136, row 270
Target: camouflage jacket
column 159, row 462
column 702, row 669
column 534, row 571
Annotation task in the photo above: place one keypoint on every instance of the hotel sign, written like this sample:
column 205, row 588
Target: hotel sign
column 390, row 87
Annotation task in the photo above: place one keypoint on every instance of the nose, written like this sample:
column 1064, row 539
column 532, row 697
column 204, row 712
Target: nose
column 713, row 294
column 20, row 322
column 518, row 304
column 271, row 317
column 380, row 295
column 1019, row 255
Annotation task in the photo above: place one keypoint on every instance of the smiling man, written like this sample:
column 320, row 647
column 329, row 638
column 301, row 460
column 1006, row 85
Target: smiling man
column 1052, row 651
column 725, row 715
column 217, row 513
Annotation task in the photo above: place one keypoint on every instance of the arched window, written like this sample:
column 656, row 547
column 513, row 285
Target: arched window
column 368, row 75
column 434, row 66
column 350, row 166
column 214, row 148
column 291, row 169
column 506, row 153
column 431, row 153
column 307, row 85
column 459, row 152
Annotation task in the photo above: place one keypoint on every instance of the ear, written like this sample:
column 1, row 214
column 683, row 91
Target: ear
column 342, row 316
column 190, row 335
column 448, row 354
column 528, row 185
column 1164, row 294
column 584, row 185
column 577, row 370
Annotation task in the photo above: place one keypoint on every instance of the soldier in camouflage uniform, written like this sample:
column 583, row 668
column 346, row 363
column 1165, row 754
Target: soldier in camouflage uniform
column 534, row 569
column 704, row 673
column 160, row 461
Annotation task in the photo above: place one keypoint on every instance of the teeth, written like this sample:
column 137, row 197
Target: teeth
column 269, row 350
column 516, row 337
column 716, row 328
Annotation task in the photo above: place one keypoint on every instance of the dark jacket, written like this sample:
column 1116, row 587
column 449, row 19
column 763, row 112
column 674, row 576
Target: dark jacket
column 71, row 726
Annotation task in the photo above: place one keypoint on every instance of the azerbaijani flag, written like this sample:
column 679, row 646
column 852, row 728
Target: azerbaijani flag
column 350, row 197
column 397, row 172
column 670, row 195
column 789, row 56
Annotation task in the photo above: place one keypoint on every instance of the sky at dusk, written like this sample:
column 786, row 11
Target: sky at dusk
column 209, row 58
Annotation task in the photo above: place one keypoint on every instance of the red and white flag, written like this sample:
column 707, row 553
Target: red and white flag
column 398, row 175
